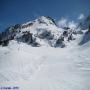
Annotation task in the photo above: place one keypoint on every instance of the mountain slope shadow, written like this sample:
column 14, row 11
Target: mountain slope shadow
column 85, row 39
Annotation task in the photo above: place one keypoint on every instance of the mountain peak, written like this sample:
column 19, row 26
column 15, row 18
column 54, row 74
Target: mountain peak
column 46, row 19
column 41, row 31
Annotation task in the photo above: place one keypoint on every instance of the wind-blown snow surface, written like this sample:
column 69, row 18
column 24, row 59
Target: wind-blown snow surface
column 45, row 68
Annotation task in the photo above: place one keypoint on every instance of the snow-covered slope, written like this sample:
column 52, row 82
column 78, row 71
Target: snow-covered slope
column 23, row 67
column 44, row 68
column 85, row 23
column 85, row 39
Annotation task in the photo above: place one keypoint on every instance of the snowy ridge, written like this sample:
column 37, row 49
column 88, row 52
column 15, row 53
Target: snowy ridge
column 40, row 32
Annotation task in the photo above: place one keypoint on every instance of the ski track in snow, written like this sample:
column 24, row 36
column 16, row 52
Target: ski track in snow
column 45, row 68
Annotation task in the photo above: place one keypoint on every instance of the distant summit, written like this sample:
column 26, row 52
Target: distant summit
column 85, row 24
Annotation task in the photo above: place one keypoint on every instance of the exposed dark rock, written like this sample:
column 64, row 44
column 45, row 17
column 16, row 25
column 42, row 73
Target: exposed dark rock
column 44, row 34
column 51, row 19
column 66, row 28
column 60, row 42
column 27, row 25
column 65, row 33
column 4, row 42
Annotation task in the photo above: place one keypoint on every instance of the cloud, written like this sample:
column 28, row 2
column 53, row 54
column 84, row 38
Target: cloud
column 81, row 16
column 72, row 24
column 62, row 22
